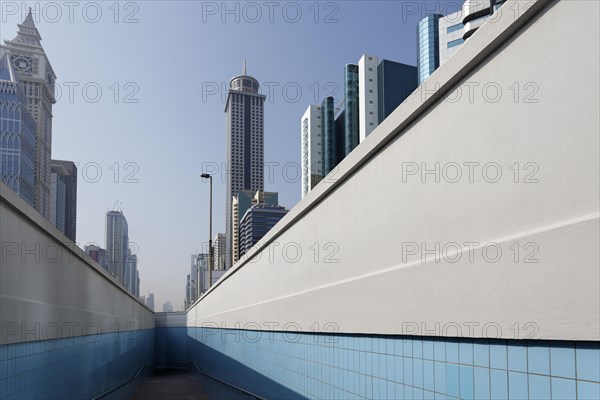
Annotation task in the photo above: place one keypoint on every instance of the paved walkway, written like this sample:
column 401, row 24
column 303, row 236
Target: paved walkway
column 175, row 385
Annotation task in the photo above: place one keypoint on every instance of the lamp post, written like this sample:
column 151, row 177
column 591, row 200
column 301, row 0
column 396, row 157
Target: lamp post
column 210, row 248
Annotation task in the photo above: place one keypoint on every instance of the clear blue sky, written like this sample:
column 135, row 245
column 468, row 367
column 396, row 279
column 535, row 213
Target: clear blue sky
column 169, row 58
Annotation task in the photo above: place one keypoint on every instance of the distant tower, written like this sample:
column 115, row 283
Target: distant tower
column 311, row 148
column 65, row 171
column 245, row 150
column 117, row 243
column 35, row 73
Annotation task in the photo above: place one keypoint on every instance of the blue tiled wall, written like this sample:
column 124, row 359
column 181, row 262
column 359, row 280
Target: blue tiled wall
column 170, row 347
column 279, row 365
column 75, row 368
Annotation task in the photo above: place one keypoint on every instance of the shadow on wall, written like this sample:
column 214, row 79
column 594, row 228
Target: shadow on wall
column 221, row 367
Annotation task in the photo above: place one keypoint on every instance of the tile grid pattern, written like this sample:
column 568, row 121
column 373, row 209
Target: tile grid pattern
column 78, row 367
column 375, row 367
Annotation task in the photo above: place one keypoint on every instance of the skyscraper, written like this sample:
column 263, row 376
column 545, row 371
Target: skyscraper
column 395, row 82
column 450, row 31
column 245, row 150
column 241, row 203
column 219, row 252
column 440, row 36
column 57, row 201
column 476, row 13
column 351, row 108
column 428, row 45
column 130, row 272
column 312, row 148
column 17, row 135
column 367, row 92
column 117, row 243
column 150, row 301
column 66, row 171
column 97, row 254
column 330, row 143
column 167, row 307
column 37, row 77
column 256, row 222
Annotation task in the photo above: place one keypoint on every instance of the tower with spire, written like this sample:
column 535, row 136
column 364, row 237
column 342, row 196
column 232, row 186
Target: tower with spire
column 36, row 76
column 245, row 145
column 17, row 140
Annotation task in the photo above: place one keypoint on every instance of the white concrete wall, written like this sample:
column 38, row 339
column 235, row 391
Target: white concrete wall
column 49, row 288
column 368, row 212
column 373, row 288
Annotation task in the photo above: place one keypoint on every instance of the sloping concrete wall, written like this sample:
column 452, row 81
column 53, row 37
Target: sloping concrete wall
column 501, row 241
column 50, row 289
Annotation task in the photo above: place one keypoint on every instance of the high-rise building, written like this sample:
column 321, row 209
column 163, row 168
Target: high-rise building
column 150, row 301
column 340, row 135
column 97, row 254
column 245, row 150
column 372, row 90
column 256, row 222
column 351, row 108
column 428, row 45
column 66, row 171
column 117, row 243
column 219, row 252
column 450, row 32
column 476, row 13
column 440, row 36
column 196, row 260
column 137, row 285
column 330, row 143
column 37, row 77
column 367, row 94
column 130, row 272
column 395, row 82
column 57, row 201
column 17, row 135
column 200, row 270
column 167, row 307
column 240, row 204
column 312, row 148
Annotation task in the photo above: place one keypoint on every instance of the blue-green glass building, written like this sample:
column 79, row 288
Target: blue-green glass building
column 17, row 136
column 329, row 135
column 428, row 44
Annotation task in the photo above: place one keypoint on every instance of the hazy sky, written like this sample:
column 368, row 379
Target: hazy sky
column 141, row 103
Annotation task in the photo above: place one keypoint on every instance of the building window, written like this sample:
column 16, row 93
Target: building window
column 455, row 43
column 454, row 28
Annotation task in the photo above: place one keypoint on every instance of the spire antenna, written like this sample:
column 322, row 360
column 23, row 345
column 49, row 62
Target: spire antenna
column 244, row 68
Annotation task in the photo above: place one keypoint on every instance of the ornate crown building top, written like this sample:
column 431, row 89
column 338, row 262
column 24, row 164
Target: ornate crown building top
column 33, row 69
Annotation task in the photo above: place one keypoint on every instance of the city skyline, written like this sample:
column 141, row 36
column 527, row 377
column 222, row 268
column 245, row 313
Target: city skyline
column 420, row 262
column 129, row 172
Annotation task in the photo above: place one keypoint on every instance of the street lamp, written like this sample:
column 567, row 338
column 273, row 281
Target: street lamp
column 210, row 248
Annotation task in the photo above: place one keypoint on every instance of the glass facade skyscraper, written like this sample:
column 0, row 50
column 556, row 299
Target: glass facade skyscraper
column 395, row 82
column 329, row 137
column 351, row 119
column 428, row 44
column 245, row 151
column 66, row 171
column 17, row 135
column 37, row 79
